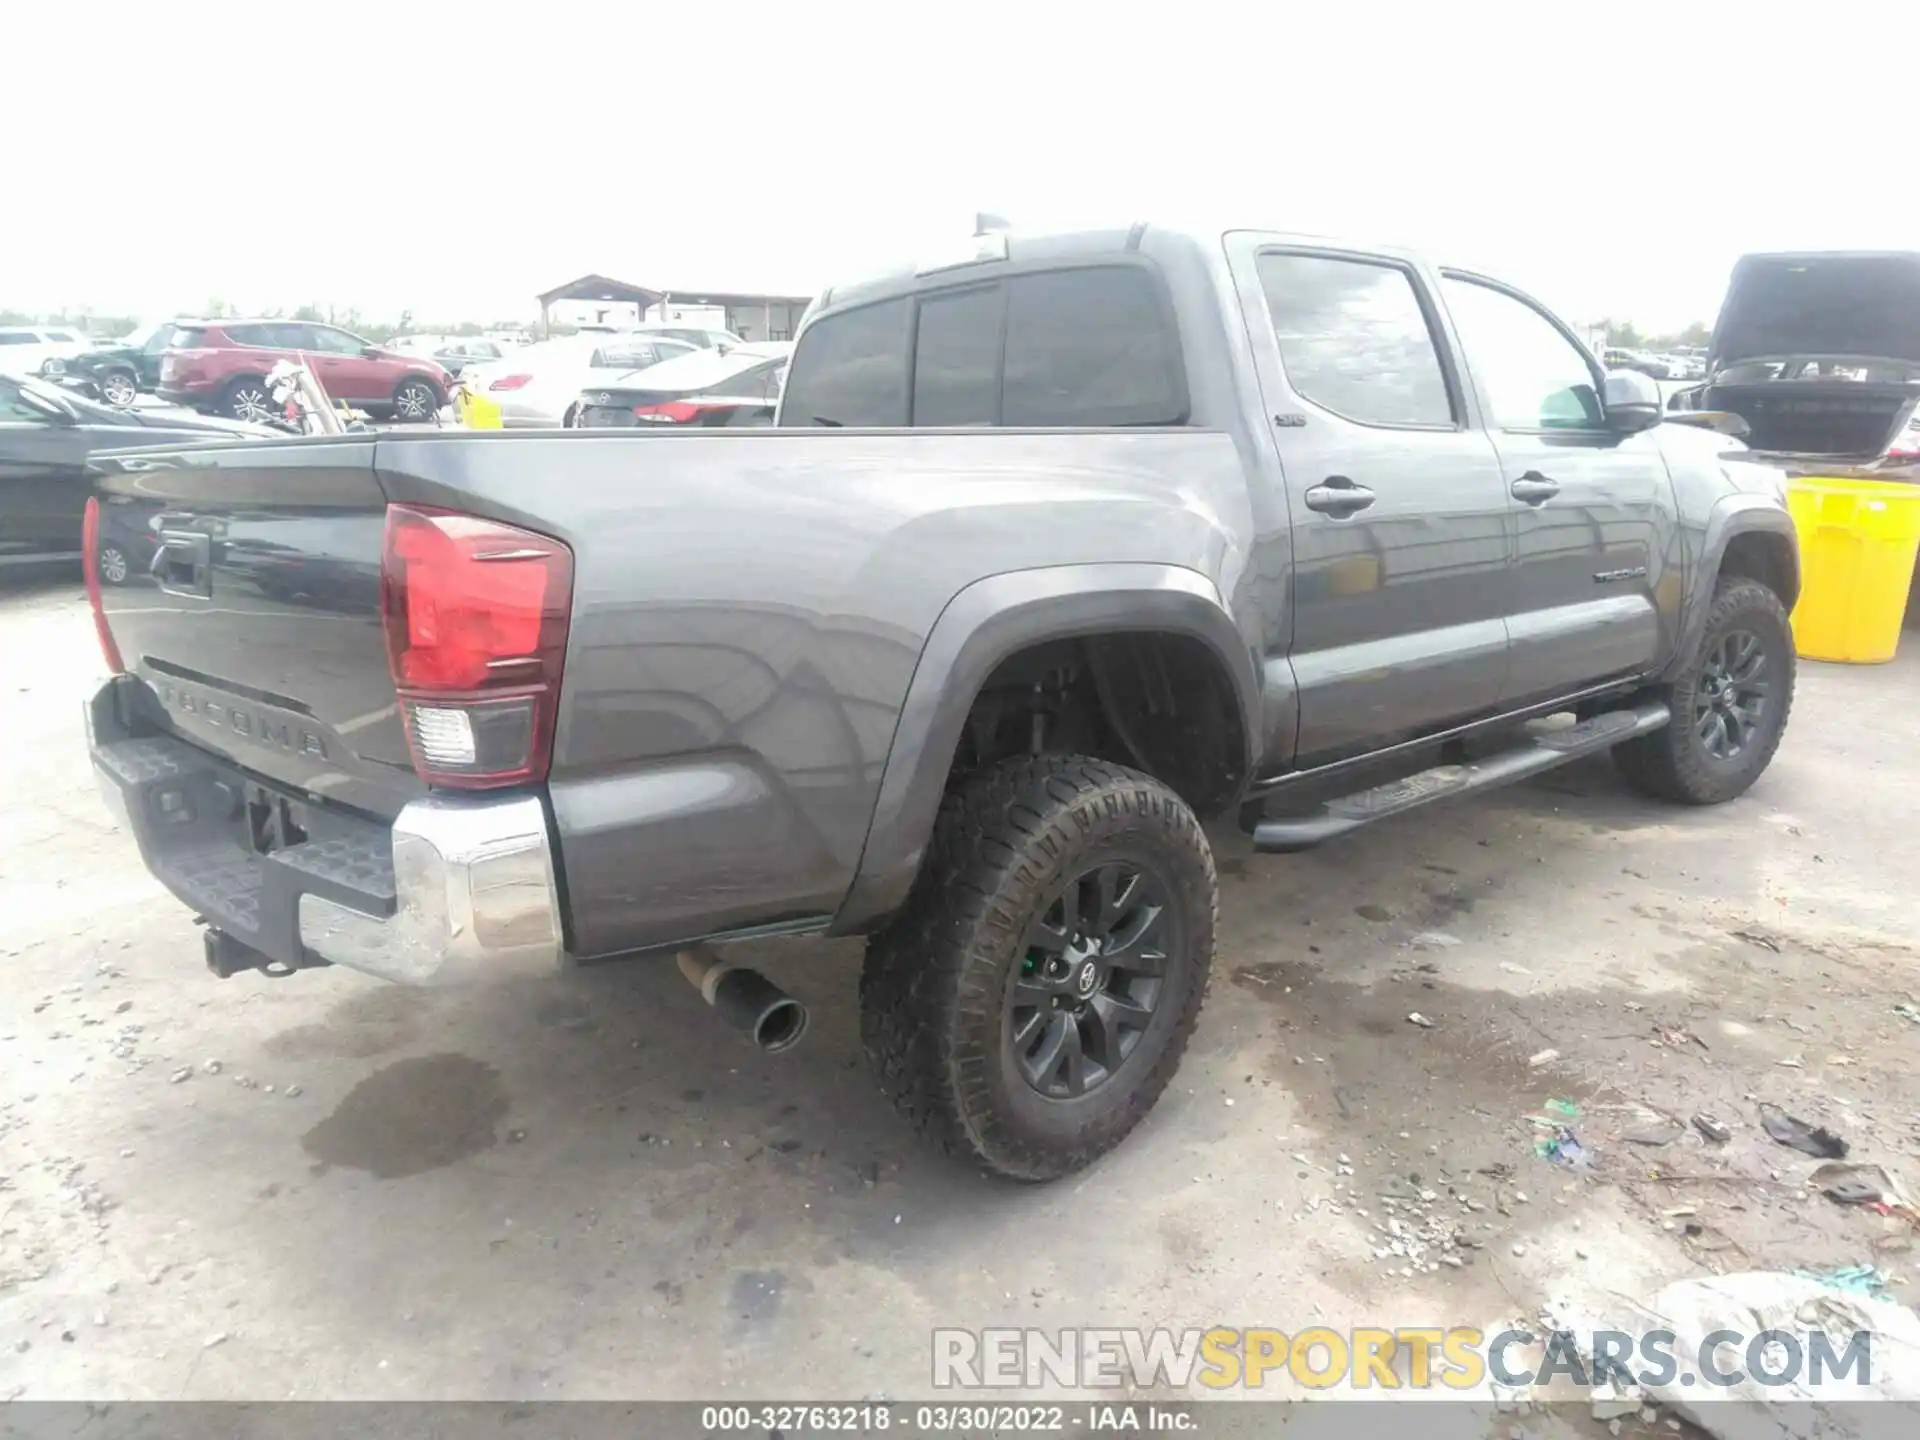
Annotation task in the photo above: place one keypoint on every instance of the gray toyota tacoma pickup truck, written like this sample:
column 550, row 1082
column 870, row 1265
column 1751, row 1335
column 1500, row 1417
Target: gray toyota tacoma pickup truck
column 1054, row 552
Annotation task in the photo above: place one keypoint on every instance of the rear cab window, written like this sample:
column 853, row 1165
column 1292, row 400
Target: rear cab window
column 1085, row 346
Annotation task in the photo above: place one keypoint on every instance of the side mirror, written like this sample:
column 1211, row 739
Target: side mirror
column 1632, row 402
column 371, row 352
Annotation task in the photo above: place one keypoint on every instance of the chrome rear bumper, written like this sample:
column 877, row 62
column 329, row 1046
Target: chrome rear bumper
column 457, row 889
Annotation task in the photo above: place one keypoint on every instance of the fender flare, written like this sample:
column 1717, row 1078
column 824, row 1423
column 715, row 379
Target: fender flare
column 1731, row 516
column 981, row 626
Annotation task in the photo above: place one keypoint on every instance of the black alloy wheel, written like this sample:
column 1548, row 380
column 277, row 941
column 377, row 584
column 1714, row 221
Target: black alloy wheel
column 1728, row 708
column 1090, row 981
column 1730, row 701
column 1031, row 1000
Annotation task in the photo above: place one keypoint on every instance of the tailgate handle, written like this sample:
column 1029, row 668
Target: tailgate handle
column 184, row 563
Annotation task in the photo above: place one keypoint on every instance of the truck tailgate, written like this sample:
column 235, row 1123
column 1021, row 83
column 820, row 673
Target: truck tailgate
column 250, row 610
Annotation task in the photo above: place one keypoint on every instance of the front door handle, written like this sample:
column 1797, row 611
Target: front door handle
column 1339, row 497
column 1535, row 488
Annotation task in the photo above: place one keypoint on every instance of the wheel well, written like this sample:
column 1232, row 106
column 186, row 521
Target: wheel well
column 1766, row 557
column 1159, row 701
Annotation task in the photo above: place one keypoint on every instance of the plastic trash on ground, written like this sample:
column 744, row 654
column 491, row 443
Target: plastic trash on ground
column 1757, row 1301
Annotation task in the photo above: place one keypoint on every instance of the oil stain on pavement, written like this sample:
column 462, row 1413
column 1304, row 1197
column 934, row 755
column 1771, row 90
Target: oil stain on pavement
column 411, row 1117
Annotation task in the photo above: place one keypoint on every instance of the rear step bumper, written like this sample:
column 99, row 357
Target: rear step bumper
column 456, row 889
column 1538, row 752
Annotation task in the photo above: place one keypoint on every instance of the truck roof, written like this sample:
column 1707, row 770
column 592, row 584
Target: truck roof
column 1015, row 248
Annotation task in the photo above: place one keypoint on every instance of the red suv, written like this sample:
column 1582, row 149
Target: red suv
column 221, row 366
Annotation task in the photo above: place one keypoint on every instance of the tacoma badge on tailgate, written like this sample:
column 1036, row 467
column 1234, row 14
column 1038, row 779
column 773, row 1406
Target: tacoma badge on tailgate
column 247, row 724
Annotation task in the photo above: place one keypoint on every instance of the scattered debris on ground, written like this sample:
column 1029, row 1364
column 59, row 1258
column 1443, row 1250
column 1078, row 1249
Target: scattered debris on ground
column 1797, row 1134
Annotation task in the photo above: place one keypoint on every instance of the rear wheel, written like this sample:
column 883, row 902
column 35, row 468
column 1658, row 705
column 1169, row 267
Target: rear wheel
column 118, row 388
column 415, row 401
column 247, row 399
column 1729, row 708
column 114, row 566
column 1035, row 996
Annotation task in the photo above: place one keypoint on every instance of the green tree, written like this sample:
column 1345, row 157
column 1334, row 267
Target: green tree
column 1623, row 333
column 312, row 314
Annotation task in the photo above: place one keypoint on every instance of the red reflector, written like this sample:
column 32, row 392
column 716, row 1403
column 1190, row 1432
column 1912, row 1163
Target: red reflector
column 510, row 382
column 476, row 619
column 670, row 412
column 90, row 562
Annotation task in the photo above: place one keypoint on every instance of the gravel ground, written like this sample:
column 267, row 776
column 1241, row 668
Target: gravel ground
column 327, row 1188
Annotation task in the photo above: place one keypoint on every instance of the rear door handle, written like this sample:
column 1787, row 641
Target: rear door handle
column 1535, row 488
column 1339, row 497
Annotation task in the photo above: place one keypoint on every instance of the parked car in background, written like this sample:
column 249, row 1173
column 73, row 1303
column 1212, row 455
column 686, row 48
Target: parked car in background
column 705, row 336
column 465, row 352
column 539, row 386
column 1819, row 353
column 740, row 386
column 455, row 354
column 221, row 366
column 1690, row 363
column 47, row 435
column 1619, row 358
column 119, row 370
column 39, row 349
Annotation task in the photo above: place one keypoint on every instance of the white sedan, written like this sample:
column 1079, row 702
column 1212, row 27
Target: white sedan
column 26, row 349
column 538, row 386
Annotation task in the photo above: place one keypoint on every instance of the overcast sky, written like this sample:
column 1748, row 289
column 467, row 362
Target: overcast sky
column 1613, row 158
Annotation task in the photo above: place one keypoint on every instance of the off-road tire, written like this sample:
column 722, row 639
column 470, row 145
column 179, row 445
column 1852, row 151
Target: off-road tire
column 1672, row 763
column 934, row 988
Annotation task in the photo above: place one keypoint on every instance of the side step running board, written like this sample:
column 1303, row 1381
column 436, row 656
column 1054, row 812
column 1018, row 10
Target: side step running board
column 1531, row 756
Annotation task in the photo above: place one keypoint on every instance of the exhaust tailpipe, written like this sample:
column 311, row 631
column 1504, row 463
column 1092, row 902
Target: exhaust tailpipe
column 746, row 999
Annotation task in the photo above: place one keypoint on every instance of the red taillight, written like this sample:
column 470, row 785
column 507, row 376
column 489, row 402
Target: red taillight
column 509, row 382
column 90, row 561
column 671, row 412
column 476, row 619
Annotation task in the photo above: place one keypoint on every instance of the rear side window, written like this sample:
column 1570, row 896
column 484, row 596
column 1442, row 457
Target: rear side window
column 267, row 336
column 186, row 337
column 851, row 369
column 18, row 337
column 1090, row 347
column 1355, row 339
column 956, row 358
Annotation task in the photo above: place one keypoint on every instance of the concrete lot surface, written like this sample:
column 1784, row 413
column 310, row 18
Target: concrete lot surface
column 590, row 1189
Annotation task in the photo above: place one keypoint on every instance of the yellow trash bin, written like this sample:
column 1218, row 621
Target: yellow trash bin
column 1857, row 544
column 476, row 412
